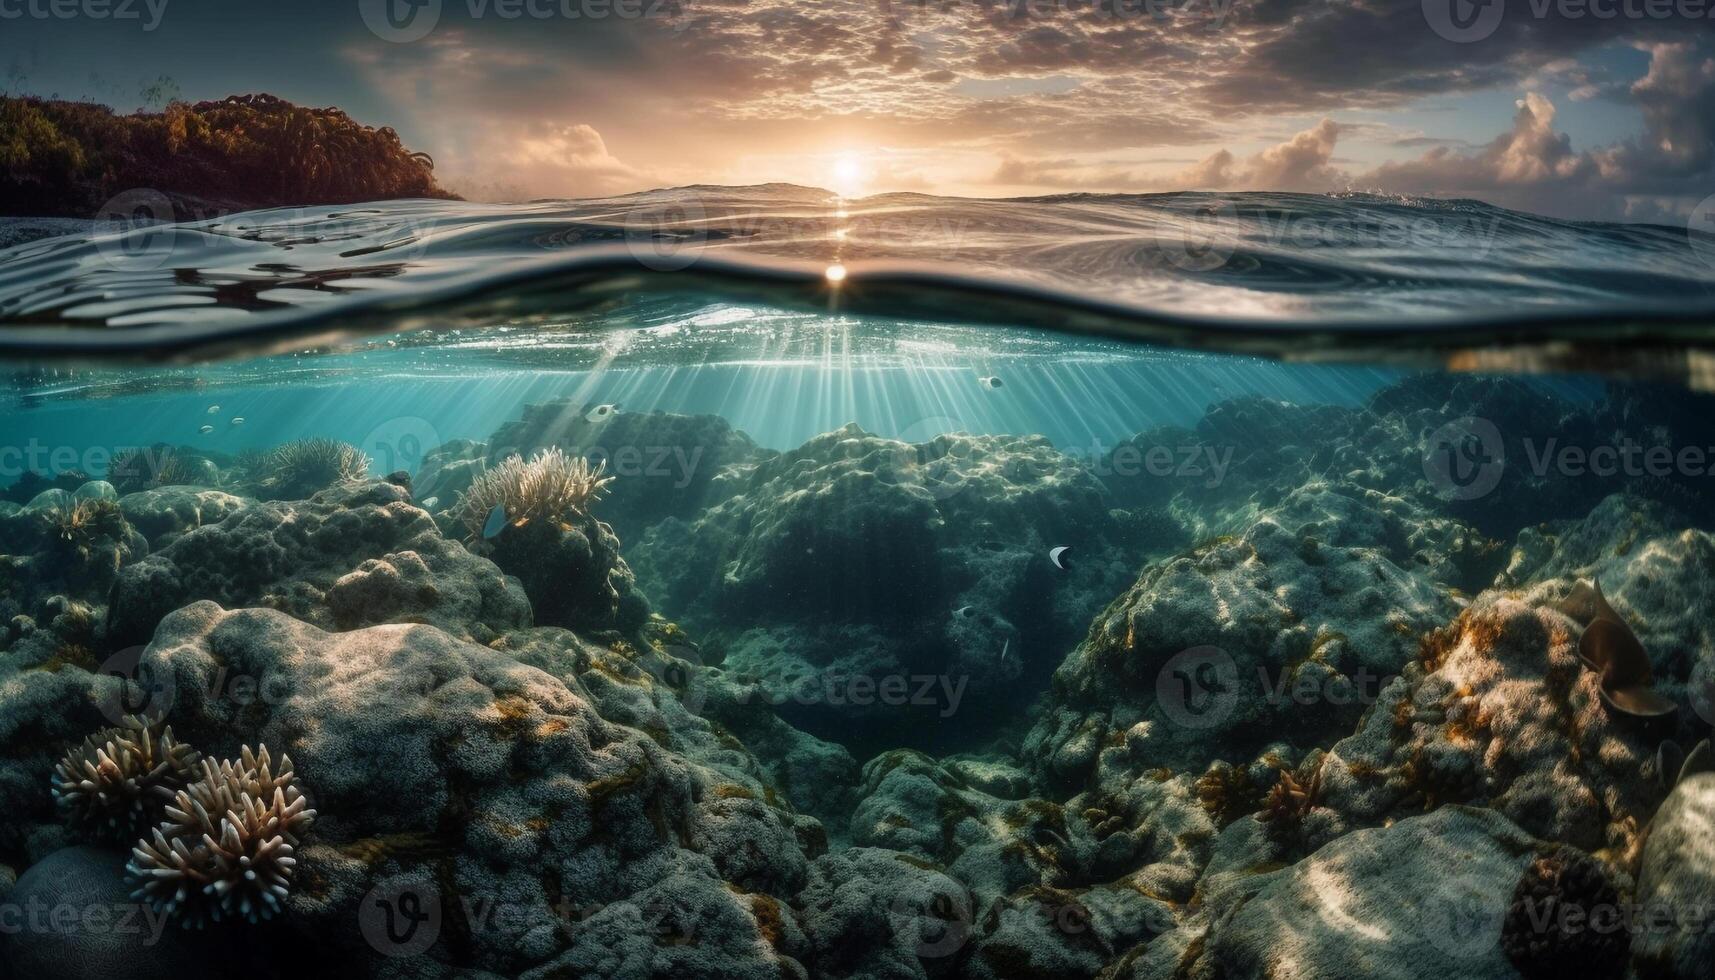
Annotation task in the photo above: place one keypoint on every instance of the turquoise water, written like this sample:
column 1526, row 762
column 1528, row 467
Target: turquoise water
column 674, row 586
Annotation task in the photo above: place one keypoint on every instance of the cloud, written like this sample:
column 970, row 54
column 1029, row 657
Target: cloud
column 1301, row 163
column 1661, row 174
column 1047, row 94
column 544, row 160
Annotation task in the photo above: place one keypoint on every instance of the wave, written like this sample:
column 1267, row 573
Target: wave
column 1285, row 275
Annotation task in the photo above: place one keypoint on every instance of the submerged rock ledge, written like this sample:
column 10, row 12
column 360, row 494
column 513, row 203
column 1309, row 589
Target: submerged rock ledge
column 1317, row 720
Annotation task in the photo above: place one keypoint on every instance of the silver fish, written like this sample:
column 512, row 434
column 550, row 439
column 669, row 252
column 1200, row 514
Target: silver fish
column 496, row 522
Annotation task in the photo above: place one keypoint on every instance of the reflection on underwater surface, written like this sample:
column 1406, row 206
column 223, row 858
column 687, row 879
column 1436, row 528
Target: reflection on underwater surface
column 890, row 650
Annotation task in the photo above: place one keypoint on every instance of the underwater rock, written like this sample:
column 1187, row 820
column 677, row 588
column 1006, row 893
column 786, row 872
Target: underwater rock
column 1501, row 710
column 66, row 543
column 533, row 519
column 669, row 465
column 484, row 779
column 1424, row 898
column 162, row 514
column 31, row 485
column 1286, row 631
column 1653, row 568
column 1566, row 919
column 871, row 912
column 106, row 935
column 859, row 557
column 351, row 556
column 1676, row 884
column 1055, row 890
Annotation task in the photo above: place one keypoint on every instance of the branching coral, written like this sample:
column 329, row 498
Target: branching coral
column 550, row 487
column 225, row 849
column 308, row 465
column 1290, row 801
column 1565, row 920
column 113, row 787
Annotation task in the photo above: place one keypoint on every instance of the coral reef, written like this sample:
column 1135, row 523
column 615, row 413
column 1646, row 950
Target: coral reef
column 114, row 786
column 298, row 469
column 567, row 561
column 552, row 488
column 225, row 849
column 352, row 555
column 1565, row 918
column 1304, row 718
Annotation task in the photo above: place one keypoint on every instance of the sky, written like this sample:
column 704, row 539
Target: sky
column 1574, row 108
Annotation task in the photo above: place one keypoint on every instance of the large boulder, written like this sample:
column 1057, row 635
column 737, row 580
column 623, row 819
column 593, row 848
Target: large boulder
column 1285, row 631
column 1676, row 885
column 351, row 556
column 548, row 837
column 856, row 561
column 1425, row 898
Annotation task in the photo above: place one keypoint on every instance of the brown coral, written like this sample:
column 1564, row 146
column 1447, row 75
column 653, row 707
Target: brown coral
column 1565, row 920
column 115, row 785
column 226, row 846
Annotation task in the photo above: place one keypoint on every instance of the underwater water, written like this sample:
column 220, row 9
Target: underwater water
column 751, row 583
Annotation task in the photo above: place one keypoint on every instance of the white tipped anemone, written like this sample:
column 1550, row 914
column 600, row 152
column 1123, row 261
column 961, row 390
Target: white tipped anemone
column 226, row 849
column 113, row 787
column 550, row 487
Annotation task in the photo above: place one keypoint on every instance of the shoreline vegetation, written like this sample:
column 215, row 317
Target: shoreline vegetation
column 69, row 159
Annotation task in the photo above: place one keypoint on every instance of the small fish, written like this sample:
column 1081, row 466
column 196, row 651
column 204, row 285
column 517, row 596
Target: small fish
column 237, row 420
column 1004, row 647
column 990, row 382
column 205, row 430
column 430, row 503
column 963, row 611
column 213, row 409
column 496, row 522
column 1058, row 557
column 600, row 412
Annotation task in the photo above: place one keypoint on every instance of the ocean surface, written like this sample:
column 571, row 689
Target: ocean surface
column 756, row 582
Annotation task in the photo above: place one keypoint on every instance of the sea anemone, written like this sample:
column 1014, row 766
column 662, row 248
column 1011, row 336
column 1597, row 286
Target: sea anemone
column 312, row 464
column 225, row 849
column 145, row 469
column 114, row 786
column 1565, row 920
column 550, row 487
column 1290, row 801
column 1227, row 793
column 78, row 523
